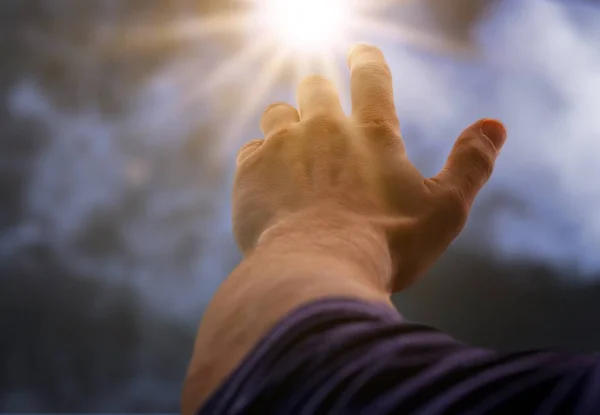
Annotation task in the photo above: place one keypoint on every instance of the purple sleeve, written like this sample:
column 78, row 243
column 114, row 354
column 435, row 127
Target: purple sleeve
column 341, row 356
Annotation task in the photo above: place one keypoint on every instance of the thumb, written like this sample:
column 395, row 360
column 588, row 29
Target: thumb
column 472, row 159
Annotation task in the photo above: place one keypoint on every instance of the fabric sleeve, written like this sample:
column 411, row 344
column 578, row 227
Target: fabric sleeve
column 341, row 356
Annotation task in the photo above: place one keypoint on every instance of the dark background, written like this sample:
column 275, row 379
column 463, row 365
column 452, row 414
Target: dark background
column 119, row 127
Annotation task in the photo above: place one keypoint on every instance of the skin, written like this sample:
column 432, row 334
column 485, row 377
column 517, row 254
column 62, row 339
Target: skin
column 328, row 205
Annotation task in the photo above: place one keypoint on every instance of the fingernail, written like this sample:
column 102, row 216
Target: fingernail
column 495, row 131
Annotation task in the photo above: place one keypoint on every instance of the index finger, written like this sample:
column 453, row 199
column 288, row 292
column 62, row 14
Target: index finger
column 372, row 89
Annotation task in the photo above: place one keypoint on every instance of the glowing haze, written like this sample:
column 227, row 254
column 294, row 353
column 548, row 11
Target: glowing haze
column 308, row 25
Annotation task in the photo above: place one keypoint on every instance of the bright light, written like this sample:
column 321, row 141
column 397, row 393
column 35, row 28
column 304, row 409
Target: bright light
column 307, row 25
column 285, row 40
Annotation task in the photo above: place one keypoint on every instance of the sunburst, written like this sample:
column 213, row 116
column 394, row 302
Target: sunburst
column 308, row 36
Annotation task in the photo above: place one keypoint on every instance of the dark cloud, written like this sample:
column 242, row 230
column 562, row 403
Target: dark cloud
column 507, row 305
column 459, row 18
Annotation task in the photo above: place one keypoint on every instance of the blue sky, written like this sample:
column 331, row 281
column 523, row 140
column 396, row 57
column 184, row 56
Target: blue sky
column 539, row 72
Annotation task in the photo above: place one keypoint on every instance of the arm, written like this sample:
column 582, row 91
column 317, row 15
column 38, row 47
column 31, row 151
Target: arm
column 330, row 206
column 311, row 259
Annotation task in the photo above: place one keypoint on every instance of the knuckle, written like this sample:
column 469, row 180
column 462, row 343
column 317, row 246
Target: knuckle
column 454, row 209
column 278, row 138
column 370, row 68
column 322, row 123
column 313, row 80
column 483, row 162
column 274, row 112
column 381, row 129
column 248, row 150
column 480, row 155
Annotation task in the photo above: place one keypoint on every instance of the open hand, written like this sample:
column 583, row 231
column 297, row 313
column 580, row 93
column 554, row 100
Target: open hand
column 317, row 162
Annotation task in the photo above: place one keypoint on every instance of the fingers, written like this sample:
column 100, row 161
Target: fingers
column 248, row 149
column 317, row 96
column 372, row 90
column 278, row 116
column 472, row 159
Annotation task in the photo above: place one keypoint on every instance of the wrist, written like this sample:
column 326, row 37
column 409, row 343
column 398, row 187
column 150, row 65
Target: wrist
column 323, row 233
column 302, row 258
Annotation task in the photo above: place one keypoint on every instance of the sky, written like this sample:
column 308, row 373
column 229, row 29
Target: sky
column 157, row 203
column 543, row 83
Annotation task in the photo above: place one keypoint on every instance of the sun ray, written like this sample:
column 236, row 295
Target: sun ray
column 412, row 37
column 254, row 96
column 219, row 76
column 150, row 37
column 224, row 23
column 301, row 71
column 236, row 63
column 331, row 71
column 376, row 7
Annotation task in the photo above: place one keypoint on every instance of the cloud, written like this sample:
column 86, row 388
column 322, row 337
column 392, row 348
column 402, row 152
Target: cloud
column 132, row 199
column 540, row 73
column 104, row 188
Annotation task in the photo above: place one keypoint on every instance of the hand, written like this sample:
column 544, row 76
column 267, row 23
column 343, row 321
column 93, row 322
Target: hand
column 318, row 162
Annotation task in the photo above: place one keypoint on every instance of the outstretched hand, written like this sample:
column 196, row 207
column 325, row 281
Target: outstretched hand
column 317, row 162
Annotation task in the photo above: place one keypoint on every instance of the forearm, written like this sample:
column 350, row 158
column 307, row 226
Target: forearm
column 296, row 262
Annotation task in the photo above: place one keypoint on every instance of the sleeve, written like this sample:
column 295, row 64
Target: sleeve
column 340, row 356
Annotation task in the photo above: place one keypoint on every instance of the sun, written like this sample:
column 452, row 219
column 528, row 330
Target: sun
column 307, row 26
column 280, row 40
